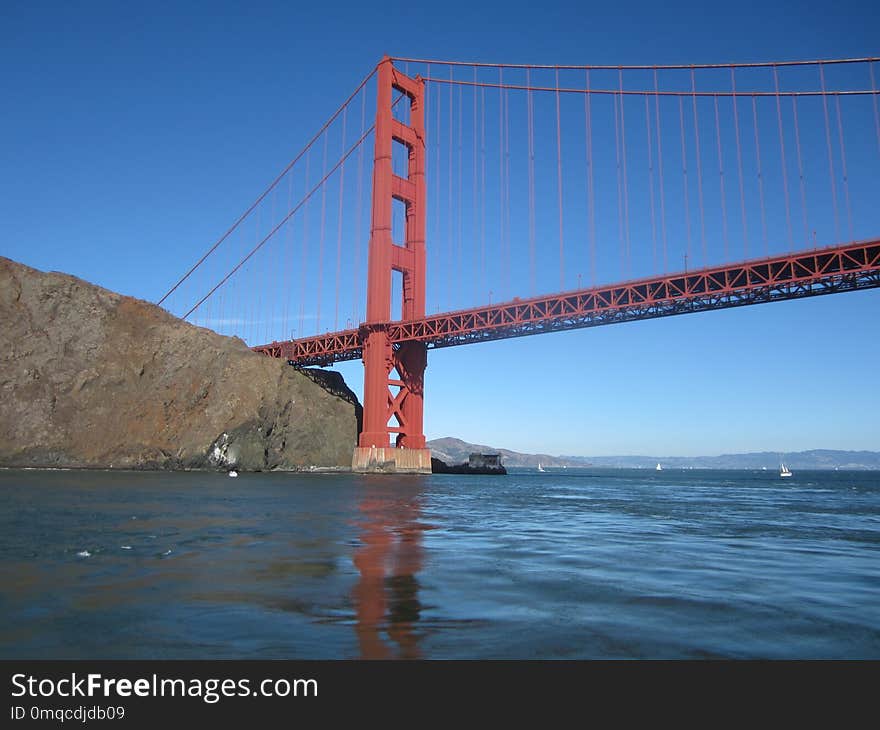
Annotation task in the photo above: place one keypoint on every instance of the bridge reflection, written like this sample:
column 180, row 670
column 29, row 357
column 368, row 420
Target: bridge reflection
column 389, row 560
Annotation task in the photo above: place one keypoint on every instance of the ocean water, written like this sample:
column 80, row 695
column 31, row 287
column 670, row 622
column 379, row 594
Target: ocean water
column 575, row 563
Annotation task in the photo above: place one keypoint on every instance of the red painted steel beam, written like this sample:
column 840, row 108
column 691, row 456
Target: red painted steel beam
column 791, row 276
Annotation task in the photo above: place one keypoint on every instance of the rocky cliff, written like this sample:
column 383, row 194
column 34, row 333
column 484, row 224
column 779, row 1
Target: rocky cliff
column 90, row 378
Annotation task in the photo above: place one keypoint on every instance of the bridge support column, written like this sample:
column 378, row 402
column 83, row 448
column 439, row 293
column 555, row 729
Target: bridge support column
column 394, row 372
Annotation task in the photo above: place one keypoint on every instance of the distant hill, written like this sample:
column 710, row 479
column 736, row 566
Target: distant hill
column 456, row 451
column 453, row 451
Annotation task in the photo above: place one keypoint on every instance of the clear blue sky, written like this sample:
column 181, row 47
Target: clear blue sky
column 132, row 135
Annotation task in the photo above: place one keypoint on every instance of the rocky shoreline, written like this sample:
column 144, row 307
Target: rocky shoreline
column 93, row 379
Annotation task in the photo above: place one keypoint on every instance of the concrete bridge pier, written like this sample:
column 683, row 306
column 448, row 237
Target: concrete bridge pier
column 390, row 460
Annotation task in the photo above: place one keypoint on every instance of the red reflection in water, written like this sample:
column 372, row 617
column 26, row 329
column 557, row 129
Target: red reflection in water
column 389, row 559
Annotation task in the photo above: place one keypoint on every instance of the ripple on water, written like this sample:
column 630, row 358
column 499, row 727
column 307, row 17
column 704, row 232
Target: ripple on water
column 617, row 564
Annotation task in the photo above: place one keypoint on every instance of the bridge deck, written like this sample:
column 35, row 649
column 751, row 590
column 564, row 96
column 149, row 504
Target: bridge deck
column 830, row 270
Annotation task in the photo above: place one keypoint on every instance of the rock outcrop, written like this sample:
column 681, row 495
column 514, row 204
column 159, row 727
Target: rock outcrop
column 90, row 378
column 476, row 464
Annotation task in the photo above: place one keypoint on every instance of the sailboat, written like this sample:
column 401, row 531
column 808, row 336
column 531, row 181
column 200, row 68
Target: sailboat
column 540, row 468
column 658, row 467
column 784, row 471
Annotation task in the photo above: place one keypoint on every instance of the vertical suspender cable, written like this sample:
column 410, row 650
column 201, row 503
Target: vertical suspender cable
column 588, row 114
column 459, row 213
column 269, row 277
column 234, row 299
column 843, row 167
column 246, row 290
column 782, row 158
column 438, row 184
column 339, row 223
column 305, row 255
column 651, row 183
column 472, row 249
column 660, row 171
column 760, row 177
column 874, row 99
column 450, row 245
column 359, row 212
column 321, row 237
column 204, row 315
column 621, row 239
column 831, row 177
column 277, row 292
column 530, row 115
column 559, row 185
column 255, row 284
column 426, row 116
column 721, row 176
column 286, row 268
column 483, row 274
column 507, row 226
column 699, row 167
column 501, row 173
column 243, row 288
column 739, row 165
column 236, row 304
column 797, row 141
column 685, row 186
column 625, row 176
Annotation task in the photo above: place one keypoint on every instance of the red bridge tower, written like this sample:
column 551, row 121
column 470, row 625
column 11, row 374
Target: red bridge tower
column 394, row 405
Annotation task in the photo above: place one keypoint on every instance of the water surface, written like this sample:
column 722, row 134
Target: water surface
column 575, row 563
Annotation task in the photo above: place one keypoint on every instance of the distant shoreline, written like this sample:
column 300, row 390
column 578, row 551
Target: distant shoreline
column 198, row 470
column 452, row 449
column 347, row 470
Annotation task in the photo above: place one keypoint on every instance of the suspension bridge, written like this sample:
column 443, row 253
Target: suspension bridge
column 507, row 200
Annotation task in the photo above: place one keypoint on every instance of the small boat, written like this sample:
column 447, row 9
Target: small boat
column 658, row 467
column 233, row 473
column 784, row 471
column 540, row 468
